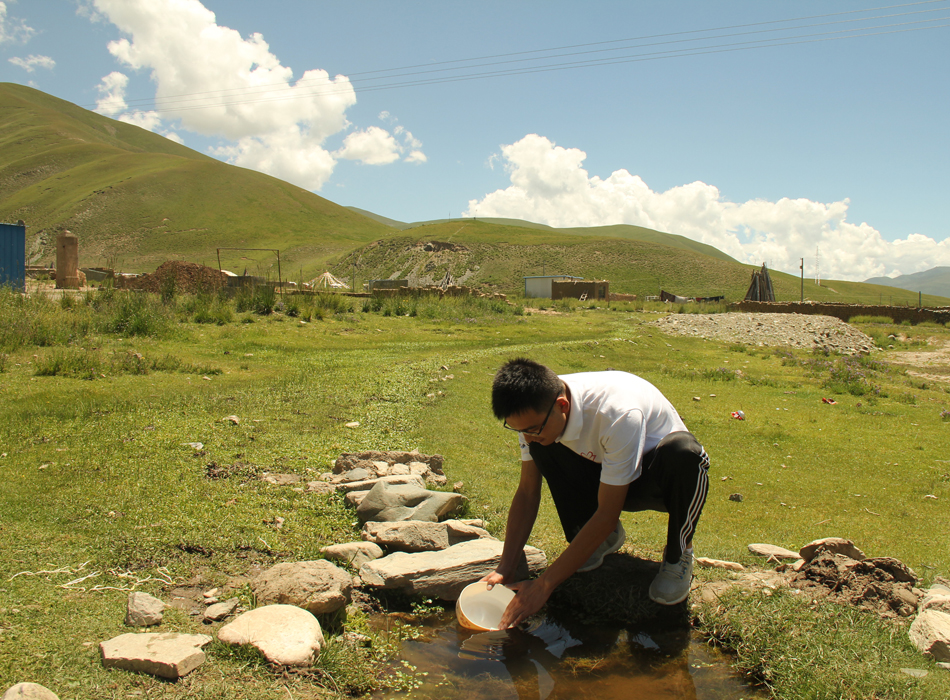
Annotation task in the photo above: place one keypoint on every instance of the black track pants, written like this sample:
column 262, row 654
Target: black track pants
column 673, row 480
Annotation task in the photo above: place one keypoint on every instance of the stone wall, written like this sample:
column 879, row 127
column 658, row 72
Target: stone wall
column 847, row 311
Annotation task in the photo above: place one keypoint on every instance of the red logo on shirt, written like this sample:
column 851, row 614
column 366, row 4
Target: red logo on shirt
column 590, row 455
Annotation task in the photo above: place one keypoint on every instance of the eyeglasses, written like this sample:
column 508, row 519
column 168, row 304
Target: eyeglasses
column 539, row 430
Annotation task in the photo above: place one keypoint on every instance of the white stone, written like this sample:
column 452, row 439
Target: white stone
column 284, row 634
column 168, row 654
column 420, row 535
column 29, row 691
column 367, row 484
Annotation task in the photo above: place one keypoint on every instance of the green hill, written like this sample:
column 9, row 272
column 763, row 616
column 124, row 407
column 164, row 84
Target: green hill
column 933, row 281
column 137, row 199
column 498, row 257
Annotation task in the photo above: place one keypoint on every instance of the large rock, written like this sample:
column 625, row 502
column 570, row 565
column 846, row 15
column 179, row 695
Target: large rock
column 316, row 586
column 389, row 503
column 443, row 574
column 168, row 655
column 394, row 480
column 143, row 610
column 354, row 553
column 835, row 545
column 284, row 634
column 930, row 633
column 29, row 691
column 420, row 535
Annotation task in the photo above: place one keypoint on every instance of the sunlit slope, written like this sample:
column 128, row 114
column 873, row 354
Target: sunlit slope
column 499, row 257
column 137, row 199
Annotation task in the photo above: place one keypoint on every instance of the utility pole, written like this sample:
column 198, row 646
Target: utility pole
column 802, row 268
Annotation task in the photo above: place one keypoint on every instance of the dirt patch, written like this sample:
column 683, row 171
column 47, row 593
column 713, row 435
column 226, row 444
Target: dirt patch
column 938, row 359
column 880, row 585
column 188, row 277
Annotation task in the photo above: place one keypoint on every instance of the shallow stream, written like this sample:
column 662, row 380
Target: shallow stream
column 558, row 659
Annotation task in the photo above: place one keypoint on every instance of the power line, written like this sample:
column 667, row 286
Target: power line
column 234, row 96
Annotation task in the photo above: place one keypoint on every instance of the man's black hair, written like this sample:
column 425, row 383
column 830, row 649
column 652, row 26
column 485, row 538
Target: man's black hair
column 522, row 384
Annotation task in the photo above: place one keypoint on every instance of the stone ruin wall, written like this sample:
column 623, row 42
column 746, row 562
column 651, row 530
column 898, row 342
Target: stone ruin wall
column 846, row 312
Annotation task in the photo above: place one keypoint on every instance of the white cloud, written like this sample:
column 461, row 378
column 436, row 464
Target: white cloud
column 112, row 91
column 32, row 62
column 146, row 120
column 416, row 157
column 374, row 146
column 550, row 186
column 215, row 82
column 13, row 30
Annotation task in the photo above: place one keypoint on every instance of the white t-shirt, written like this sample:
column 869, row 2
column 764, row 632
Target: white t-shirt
column 615, row 418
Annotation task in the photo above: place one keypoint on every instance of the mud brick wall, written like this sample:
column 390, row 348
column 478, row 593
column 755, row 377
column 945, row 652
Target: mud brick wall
column 847, row 311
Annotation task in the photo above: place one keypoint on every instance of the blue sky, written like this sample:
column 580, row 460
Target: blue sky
column 771, row 130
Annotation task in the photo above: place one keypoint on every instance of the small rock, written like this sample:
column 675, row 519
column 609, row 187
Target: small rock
column 211, row 594
column 233, row 420
column 143, row 610
column 219, row 611
column 353, row 424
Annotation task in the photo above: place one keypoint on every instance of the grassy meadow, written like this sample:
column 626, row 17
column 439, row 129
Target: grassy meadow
column 102, row 492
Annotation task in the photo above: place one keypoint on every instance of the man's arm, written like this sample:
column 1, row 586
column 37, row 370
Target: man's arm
column 521, row 517
column 532, row 595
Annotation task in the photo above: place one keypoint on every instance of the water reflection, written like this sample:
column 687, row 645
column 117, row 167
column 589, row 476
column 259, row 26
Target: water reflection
column 561, row 659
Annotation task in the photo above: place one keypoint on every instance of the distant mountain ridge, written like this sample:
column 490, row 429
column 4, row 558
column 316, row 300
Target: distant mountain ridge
column 934, row 281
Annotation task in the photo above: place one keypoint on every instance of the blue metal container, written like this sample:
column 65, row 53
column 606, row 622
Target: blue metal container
column 13, row 256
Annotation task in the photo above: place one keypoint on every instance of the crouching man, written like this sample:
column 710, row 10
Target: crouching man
column 605, row 442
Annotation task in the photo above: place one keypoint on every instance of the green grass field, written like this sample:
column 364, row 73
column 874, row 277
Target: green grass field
column 102, row 393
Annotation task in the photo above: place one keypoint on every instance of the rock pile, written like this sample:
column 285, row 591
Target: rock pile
column 833, row 568
column 407, row 544
column 188, row 277
column 773, row 330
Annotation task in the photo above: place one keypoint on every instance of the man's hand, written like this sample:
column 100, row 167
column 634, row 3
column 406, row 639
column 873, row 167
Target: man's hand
column 530, row 596
column 493, row 579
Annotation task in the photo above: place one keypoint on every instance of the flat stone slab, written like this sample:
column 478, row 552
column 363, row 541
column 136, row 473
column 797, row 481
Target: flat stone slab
column 219, row 611
column 443, row 574
column 167, row 655
column 771, row 551
column 394, row 480
column 707, row 563
column 29, row 691
column 421, row 535
column 284, row 634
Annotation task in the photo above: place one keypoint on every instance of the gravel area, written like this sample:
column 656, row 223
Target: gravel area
column 774, row 330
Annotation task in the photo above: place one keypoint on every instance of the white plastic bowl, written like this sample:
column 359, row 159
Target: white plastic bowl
column 478, row 608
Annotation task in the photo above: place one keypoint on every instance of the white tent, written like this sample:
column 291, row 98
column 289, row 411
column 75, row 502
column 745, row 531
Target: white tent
column 327, row 281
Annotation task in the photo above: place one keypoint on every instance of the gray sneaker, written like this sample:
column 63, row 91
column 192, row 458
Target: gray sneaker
column 610, row 545
column 671, row 585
